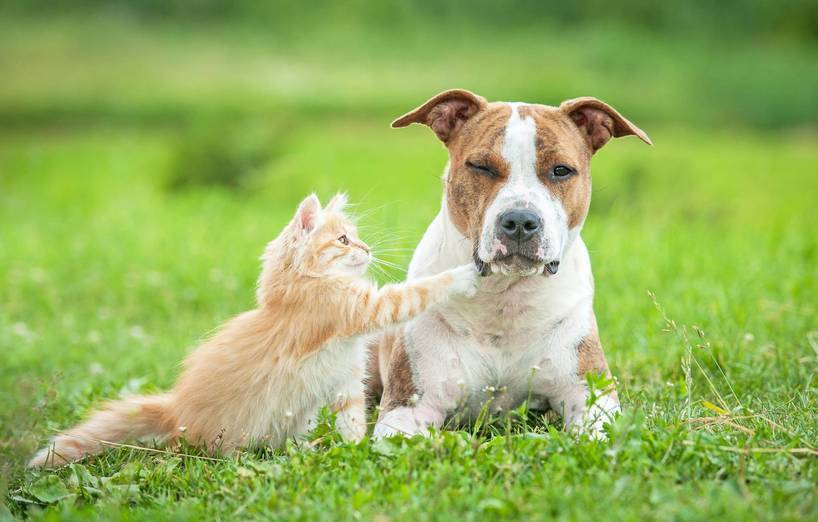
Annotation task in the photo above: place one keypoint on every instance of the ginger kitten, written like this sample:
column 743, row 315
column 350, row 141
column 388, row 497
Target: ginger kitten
column 265, row 374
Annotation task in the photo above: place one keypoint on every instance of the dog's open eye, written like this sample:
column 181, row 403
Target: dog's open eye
column 561, row 171
column 344, row 240
column 481, row 169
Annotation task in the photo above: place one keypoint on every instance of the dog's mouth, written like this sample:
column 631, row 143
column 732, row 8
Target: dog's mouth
column 516, row 264
column 482, row 266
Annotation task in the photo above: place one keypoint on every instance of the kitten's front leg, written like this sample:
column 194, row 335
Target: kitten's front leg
column 396, row 303
column 350, row 408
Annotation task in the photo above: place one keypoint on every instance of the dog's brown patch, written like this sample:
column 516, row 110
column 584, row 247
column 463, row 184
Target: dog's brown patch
column 469, row 193
column 599, row 122
column 560, row 142
column 444, row 113
column 590, row 357
column 400, row 385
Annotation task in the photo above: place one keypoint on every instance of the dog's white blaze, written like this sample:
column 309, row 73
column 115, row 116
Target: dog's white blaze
column 523, row 189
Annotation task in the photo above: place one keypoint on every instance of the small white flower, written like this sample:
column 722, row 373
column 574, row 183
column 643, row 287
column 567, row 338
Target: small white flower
column 535, row 368
column 137, row 332
column 182, row 429
column 288, row 414
column 414, row 399
column 21, row 330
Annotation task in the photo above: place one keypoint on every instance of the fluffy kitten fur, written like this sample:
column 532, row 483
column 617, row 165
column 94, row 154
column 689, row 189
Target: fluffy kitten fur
column 264, row 375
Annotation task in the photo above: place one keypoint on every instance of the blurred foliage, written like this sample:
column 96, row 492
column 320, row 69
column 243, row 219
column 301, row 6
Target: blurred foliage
column 221, row 153
column 726, row 18
column 107, row 278
column 703, row 64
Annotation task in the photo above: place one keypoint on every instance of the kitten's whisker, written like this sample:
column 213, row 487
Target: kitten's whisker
column 382, row 273
column 389, row 264
column 398, row 243
column 386, row 262
column 370, row 211
column 386, row 239
column 388, row 272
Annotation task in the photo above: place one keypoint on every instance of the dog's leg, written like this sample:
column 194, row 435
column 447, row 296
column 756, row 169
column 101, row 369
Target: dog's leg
column 572, row 400
column 580, row 413
column 408, row 421
column 402, row 410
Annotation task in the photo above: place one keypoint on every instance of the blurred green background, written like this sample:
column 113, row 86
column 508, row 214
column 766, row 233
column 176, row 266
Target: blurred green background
column 149, row 149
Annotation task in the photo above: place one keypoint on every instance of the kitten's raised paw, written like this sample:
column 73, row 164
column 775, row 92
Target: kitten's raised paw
column 466, row 278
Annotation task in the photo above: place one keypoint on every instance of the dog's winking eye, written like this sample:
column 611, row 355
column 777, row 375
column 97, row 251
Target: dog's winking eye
column 481, row 169
column 344, row 239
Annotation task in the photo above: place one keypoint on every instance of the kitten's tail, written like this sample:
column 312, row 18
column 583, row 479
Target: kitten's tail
column 117, row 421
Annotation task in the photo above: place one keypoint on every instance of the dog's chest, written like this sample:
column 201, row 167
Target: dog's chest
column 503, row 317
column 504, row 348
column 501, row 371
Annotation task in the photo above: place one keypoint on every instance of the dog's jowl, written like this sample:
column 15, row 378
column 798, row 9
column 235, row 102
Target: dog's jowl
column 517, row 191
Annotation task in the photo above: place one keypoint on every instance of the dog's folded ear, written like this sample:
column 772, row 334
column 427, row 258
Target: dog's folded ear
column 445, row 113
column 599, row 121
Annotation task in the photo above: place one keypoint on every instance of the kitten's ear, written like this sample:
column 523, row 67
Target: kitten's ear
column 308, row 214
column 337, row 203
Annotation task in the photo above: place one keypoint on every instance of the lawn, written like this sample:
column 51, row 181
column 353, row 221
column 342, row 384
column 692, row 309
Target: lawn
column 143, row 168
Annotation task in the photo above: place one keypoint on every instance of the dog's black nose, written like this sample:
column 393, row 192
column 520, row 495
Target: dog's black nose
column 519, row 224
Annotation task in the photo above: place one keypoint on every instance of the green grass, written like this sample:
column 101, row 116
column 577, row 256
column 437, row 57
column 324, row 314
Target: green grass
column 110, row 273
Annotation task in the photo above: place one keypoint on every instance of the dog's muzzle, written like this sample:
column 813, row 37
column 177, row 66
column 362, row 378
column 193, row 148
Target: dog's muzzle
column 519, row 246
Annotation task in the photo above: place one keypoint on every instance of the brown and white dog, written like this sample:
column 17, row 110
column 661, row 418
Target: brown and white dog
column 517, row 191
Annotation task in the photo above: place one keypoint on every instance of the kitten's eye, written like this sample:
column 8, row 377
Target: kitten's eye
column 561, row 171
column 344, row 240
column 482, row 170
